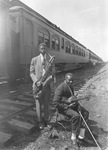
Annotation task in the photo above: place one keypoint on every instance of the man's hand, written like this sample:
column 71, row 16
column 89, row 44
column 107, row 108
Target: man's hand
column 72, row 104
column 69, row 100
column 54, row 79
column 38, row 84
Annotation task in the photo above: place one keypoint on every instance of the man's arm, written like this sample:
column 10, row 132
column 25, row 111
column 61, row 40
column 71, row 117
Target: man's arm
column 32, row 71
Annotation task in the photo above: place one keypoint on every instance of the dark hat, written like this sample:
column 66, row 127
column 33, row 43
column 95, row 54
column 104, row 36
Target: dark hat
column 69, row 75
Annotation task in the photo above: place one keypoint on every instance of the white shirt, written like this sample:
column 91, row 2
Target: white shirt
column 42, row 59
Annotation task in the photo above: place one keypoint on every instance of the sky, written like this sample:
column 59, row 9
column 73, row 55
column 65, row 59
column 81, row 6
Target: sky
column 84, row 20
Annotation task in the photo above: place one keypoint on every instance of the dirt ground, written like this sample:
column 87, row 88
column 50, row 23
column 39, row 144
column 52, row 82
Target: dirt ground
column 97, row 88
column 57, row 139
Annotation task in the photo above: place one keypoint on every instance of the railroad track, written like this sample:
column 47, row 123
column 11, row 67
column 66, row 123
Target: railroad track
column 17, row 111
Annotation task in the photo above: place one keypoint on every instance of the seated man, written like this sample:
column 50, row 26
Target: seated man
column 63, row 101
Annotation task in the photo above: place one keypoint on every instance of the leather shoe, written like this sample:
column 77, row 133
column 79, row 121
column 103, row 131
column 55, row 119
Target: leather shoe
column 85, row 142
column 46, row 123
column 41, row 126
column 75, row 145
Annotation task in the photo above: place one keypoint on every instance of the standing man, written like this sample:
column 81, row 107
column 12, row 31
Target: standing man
column 63, row 101
column 38, row 70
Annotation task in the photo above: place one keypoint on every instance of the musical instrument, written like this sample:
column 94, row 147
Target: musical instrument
column 75, row 99
column 38, row 87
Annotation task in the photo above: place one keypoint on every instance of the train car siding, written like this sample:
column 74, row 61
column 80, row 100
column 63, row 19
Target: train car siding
column 28, row 30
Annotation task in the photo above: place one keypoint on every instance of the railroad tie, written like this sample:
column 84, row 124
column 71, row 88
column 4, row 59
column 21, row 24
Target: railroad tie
column 5, row 139
column 23, row 127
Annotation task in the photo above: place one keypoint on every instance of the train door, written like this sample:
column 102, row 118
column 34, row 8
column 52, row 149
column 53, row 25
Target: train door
column 28, row 46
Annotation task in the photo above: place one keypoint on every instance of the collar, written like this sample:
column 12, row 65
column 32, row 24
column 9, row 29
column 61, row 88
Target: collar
column 42, row 57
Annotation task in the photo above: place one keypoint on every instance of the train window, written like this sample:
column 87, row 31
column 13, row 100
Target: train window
column 84, row 53
column 79, row 51
column 43, row 36
column 67, row 47
column 62, row 43
column 87, row 53
column 40, row 38
column 46, row 40
column 71, row 50
column 55, row 43
column 76, row 50
column 73, row 47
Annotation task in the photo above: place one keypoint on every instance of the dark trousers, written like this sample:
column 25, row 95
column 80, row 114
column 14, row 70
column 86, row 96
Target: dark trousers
column 44, row 100
column 76, row 120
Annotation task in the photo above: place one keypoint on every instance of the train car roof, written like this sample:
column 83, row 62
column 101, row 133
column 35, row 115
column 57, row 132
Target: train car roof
column 17, row 4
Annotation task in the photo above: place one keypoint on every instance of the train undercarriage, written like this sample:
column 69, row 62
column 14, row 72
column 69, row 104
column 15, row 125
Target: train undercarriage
column 19, row 73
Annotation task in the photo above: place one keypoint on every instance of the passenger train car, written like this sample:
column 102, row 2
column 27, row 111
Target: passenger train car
column 28, row 29
column 5, row 46
column 94, row 59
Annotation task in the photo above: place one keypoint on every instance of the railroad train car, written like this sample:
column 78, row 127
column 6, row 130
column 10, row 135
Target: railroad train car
column 94, row 59
column 5, row 47
column 28, row 30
